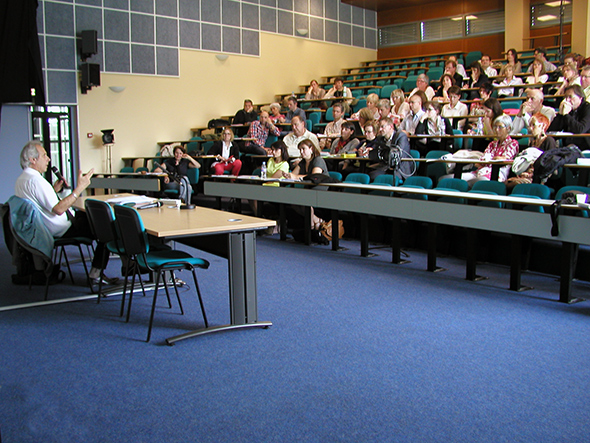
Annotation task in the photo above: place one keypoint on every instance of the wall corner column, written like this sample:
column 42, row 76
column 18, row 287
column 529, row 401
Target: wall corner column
column 580, row 22
column 516, row 24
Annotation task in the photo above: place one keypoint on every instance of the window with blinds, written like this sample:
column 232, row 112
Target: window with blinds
column 547, row 14
column 484, row 23
column 395, row 35
column 441, row 29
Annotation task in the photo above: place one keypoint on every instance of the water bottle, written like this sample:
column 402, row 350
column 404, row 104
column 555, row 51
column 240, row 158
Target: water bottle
column 480, row 126
column 263, row 170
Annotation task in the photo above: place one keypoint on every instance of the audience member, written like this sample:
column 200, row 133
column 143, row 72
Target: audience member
column 476, row 107
column 451, row 69
column 275, row 114
column 503, row 148
column 400, row 108
column 417, row 114
column 486, row 66
column 509, row 80
column 278, row 164
column 294, row 110
column 512, row 60
column 384, row 109
column 422, row 85
column 531, row 106
column 570, row 77
column 314, row 92
column 370, row 129
column 372, row 102
column 491, row 111
column 455, row 108
column 177, row 170
column 227, row 154
column 477, row 79
column 366, row 115
column 332, row 129
column 460, row 68
column 259, row 131
column 298, row 133
column 247, row 115
column 442, row 92
column 573, row 116
column 55, row 212
column 538, row 74
column 387, row 140
column 346, row 143
column 541, row 54
column 434, row 124
column 585, row 80
column 339, row 90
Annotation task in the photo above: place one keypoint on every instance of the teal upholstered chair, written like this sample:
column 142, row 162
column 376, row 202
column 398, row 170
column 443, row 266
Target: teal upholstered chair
column 417, row 182
column 452, row 185
column 135, row 242
column 489, row 187
column 357, row 177
column 531, row 190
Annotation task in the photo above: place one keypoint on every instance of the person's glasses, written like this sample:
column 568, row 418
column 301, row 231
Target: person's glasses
column 500, row 126
column 430, row 110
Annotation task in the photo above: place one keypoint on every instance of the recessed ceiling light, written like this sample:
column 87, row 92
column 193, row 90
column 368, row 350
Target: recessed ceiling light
column 471, row 17
column 457, row 19
column 546, row 18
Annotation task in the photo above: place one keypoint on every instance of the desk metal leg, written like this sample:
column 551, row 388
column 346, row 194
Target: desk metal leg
column 335, row 237
column 282, row 222
column 396, row 244
column 432, row 228
column 307, row 225
column 243, row 298
column 472, row 256
column 569, row 253
column 516, row 265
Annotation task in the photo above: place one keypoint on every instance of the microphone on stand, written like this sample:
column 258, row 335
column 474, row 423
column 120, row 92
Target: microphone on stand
column 59, row 176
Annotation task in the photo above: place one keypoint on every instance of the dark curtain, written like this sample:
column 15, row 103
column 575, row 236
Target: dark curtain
column 20, row 56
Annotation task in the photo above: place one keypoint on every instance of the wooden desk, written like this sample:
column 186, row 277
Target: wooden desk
column 134, row 181
column 227, row 235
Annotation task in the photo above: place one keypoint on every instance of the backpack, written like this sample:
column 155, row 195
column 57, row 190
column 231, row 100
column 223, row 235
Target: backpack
column 551, row 160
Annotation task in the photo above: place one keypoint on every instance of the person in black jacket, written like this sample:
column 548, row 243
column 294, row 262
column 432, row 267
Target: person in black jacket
column 245, row 116
column 227, row 154
column 389, row 145
column 434, row 124
column 573, row 116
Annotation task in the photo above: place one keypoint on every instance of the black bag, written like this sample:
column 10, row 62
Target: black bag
column 217, row 123
column 551, row 160
column 320, row 178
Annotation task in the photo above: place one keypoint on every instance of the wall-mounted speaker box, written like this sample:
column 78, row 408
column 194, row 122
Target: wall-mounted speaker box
column 90, row 74
column 89, row 43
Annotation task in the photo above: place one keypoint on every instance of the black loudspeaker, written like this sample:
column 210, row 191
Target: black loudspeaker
column 89, row 44
column 90, row 76
column 107, row 136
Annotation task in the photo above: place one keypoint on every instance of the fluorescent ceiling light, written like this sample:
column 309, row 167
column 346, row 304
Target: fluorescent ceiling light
column 471, row 17
column 457, row 19
column 546, row 18
column 556, row 4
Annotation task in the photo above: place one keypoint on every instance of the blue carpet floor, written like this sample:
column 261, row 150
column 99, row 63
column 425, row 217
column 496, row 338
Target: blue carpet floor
column 360, row 350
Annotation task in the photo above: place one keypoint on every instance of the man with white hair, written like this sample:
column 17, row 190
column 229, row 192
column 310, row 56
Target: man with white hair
column 532, row 105
column 422, row 85
column 33, row 186
column 298, row 133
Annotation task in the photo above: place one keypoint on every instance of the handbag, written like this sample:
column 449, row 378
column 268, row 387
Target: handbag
column 326, row 229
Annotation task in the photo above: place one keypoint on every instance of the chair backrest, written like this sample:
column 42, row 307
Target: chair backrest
column 458, row 142
column 336, row 175
column 384, row 179
column 133, row 235
column 127, row 169
column 193, row 175
column 273, row 138
column 358, row 177
column 471, row 57
column 315, row 117
column 510, row 104
column 102, row 220
column 415, row 153
column 386, row 91
column 362, row 103
column 416, row 180
column 206, row 146
column 559, row 193
column 453, row 183
column 436, row 170
column 532, row 189
column 329, row 114
column 493, row 186
column 142, row 168
column 308, row 126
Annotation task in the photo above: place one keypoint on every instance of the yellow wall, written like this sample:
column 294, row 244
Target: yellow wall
column 153, row 109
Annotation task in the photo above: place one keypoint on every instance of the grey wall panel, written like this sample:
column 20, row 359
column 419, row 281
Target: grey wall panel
column 211, row 11
column 116, row 57
column 143, row 59
column 142, row 28
column 232, row 40
column 211, row 37
column 63, row 52
column 316, row 8
column 89, row 2
column 166, row 31
column 358, row 36
column 230, row 13
column 189, row 9
column 301, row 6
column 62, row 87
column 117, row 4
column 250, row 1
column 345, row 13
column 331, row 31
column 89, row 19
column 301, row 22
column 190, row 34
column 250, row 16
column 370, row 38
column 146, row 6
column 285, row 24
column 370, row 18
column 167, row 61
column 40, row 19
column 285, row 4
column 250, row 42
column 59, row 19
column 358, row 16
column 331, row 9
column 345, row 34
column 116, row 24
column 271, row 3
column 316, row 28
column 268, row 19
column 167, row 8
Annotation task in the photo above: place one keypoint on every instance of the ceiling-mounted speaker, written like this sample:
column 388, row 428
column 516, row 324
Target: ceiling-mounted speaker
column 89, row 45
column 90, row 76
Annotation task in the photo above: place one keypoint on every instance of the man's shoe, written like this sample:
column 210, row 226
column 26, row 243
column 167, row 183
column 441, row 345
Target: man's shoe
column 105, row 280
